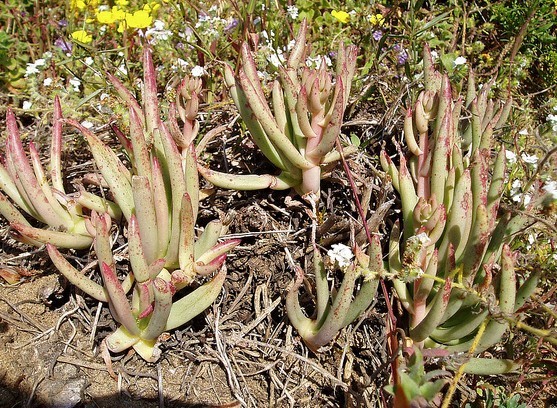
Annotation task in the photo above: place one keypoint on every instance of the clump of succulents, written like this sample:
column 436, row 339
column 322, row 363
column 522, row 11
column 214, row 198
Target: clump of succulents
column 299, row 130
column 454, row 268
column 40, row 192
column 159, row 199
column 335, row 307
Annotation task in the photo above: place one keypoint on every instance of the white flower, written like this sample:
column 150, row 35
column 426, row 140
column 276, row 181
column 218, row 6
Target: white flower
column 198, row 71
column 40, row 62
column 158, row 25
column 182, row 63
column 86, row 124
column 103, row 96
column 292, row 12
column 47, row 82
column 276, row 58
column 516, row 187
column 75, row 82
column 263, row 75
column 189, row 34
column 423, row 238
column 290, row 45
column 523, row 132
column 551, row 189
column 340, row 254
column 552, row 119
column 511, row 157
column 31, row 70
column 158, row 32
column 530, row 159
column 531, row 240
column 434, row 55
column 315, row 62
column 122, row 70
column 89, row 61
column 47, row 55
column 27, row 105
column 459, row 61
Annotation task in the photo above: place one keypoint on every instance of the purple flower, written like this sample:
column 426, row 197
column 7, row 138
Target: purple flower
column 63, row 45
column 377, row 35
column 232, row 25
column 63, row 23
column 402, row 57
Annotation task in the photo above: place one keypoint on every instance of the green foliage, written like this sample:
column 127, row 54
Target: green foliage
column 490, row 396
column 11, row 67
column 540, row 42
column 13, row 51
column 418, row 386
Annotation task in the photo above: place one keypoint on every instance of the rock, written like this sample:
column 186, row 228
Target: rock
column 64, row 393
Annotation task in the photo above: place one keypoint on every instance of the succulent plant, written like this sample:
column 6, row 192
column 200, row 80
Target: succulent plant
column 40, row 193
column 335, row 308
column 414, row 386
column 159, row 199
column 162, row 188
column 152, row 310
column 298, row 135
column 455, row 270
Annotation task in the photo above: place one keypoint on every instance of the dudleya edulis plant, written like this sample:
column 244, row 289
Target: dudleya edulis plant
column 40, row 192
column 159, row 199
column 454, row 269
column 299, row 130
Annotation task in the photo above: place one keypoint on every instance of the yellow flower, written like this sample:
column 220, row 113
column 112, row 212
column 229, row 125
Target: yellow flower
column 151, row 7
column 341, row 16
column 139, row 19
column 377, row 19
column 77, row 4
column 106, row 17
column 82, row 36
column 118, row 13
column 122, row 3
column 488, row 59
